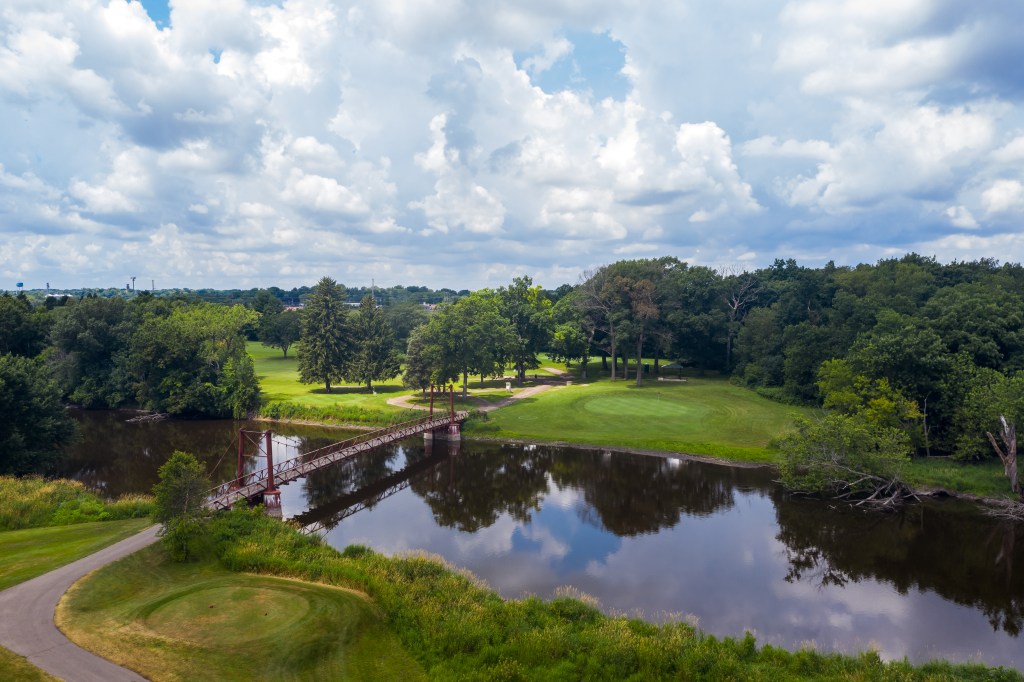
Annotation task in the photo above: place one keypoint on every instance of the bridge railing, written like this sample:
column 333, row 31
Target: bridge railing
column 260, row 475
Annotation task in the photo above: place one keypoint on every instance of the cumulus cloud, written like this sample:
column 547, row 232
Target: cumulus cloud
column 399, row 139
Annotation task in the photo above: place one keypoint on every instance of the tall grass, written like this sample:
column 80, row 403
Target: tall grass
column 336, row 414
column 459, row 629
column 33, row 502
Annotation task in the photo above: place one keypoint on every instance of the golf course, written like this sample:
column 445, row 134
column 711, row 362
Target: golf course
column 706, row 416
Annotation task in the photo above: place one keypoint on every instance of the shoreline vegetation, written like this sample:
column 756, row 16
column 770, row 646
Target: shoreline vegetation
column 428, row 619
column 705, row 418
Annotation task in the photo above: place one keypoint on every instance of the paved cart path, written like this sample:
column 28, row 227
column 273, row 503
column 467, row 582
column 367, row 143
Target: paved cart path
column 439, row 408
column 26, row 618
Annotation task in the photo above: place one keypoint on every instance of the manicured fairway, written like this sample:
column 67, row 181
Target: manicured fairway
column 279, row 381
column 24, row 554
column 700, row 416
column 199, row 621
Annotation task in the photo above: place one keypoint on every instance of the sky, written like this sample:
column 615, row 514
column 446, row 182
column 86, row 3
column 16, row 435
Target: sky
column 462, row 143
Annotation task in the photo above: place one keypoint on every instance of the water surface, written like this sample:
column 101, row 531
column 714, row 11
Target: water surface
column 660, row 538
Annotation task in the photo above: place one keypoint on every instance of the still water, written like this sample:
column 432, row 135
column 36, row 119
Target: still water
column 655, row 537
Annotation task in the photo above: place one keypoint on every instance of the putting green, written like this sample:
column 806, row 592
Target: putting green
column 702, row 416
column 643, row 406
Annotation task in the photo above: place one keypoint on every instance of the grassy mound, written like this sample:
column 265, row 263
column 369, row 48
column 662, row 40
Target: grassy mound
column 201, row 621
column 702, row 416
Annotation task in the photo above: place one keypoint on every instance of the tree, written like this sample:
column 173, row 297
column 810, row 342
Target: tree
column 741, row 292
column 528, row 312
column 22, row 331
column 994, row 407
column 178, row 504
column 601, row 301
column 848, row 457
column 574, row 331
column 281, row 330
column 34, row 426
column 874, row 400
column 418, row 360
column 179, row 361
column 468, row 337
column 325, row 346
column 373, row 356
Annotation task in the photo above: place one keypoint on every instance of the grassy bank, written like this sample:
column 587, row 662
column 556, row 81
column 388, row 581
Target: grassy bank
column 33, row 502
column 199, row 620
column 16, row 668
column 451, row 625
column 27, row 553
column 46, row 524
column 702, row 416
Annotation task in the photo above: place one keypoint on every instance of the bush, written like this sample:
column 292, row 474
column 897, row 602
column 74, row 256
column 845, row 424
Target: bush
column 33, row 502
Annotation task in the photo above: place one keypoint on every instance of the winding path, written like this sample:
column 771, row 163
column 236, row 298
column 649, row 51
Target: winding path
column 405, row 400
column 26, row 618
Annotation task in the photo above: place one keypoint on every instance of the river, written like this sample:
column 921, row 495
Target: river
column 655, row 537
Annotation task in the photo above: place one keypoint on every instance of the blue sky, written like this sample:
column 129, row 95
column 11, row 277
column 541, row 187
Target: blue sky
column 459, row 143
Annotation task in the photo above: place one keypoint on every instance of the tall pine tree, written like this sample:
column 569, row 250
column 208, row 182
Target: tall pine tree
column 325, row 347
column 374, row 357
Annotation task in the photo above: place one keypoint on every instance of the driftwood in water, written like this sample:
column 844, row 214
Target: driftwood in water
column 149, row 417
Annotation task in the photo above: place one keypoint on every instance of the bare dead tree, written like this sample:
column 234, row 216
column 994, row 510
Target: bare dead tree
column 743, row 290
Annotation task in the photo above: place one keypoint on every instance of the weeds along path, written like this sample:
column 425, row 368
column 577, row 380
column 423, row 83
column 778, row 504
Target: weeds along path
column 26, row 618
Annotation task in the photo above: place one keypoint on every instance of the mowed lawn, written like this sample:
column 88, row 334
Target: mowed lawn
column 27, row 553
column 279, row 381
column 199, row 621
column 701, row 416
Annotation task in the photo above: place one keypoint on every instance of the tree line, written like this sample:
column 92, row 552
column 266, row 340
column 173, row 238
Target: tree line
column 924, row 357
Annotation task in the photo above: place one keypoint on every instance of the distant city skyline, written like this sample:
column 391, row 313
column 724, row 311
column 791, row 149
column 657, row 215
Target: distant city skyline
column 251, row 143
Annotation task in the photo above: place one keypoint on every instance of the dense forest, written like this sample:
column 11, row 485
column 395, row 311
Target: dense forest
column 924, row 355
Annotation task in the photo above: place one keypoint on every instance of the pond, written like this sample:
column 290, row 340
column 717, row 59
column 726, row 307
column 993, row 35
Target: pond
column 655, row 537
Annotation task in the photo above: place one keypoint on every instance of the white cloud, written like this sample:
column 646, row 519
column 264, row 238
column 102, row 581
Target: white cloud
column 327, row 127
column 1003, row 196
column 960, row 216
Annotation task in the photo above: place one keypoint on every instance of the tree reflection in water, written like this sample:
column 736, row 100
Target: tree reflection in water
column 945, row 547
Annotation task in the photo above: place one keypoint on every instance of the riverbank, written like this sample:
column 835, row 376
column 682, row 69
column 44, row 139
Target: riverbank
column 706, row 418
column 449, row 623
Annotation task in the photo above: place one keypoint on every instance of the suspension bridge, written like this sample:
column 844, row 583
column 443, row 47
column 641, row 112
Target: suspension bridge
column 261, row 484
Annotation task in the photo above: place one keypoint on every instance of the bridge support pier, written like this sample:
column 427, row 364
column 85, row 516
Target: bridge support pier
column 272, row 503
column 452, row 432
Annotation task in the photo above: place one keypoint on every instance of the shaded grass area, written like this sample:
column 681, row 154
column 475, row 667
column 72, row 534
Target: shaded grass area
column 32, row 502
column 199, row 620
column 285, row 398
column 27, row 553
column 702, row 416
column 985, row 479
column 16, row 668
column 455, row 627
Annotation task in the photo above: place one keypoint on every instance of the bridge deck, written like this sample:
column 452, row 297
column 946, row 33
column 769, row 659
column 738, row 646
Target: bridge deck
column 254, row 483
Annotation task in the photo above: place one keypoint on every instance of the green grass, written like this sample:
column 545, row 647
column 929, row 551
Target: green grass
column 286, row 398
column 984, row 479
column 454, row 627
column 16, row 668
column 32, row 502
column 201, row 621
column 702, row 416
column 27, row 553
